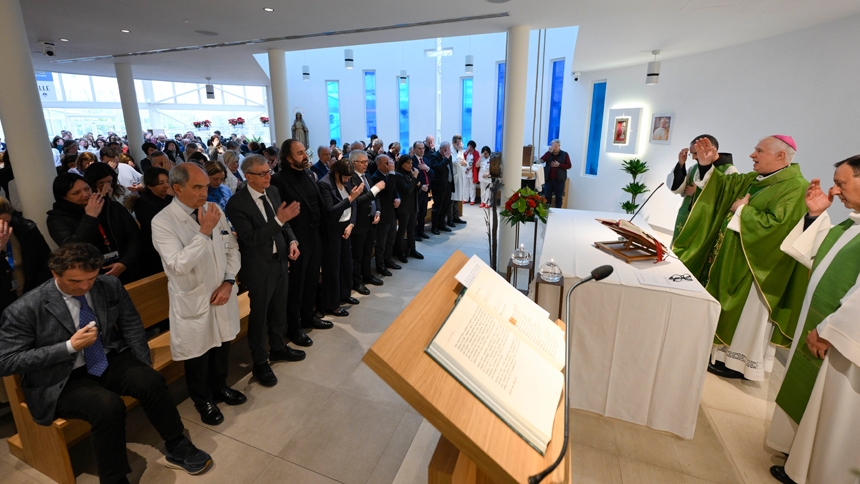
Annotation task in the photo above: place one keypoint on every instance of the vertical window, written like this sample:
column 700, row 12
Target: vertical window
column 370, row 101
column 555, row 100
column 466, row 116
column 500, row 105
column 598, row 99
column 403, row 96
column 333, row 97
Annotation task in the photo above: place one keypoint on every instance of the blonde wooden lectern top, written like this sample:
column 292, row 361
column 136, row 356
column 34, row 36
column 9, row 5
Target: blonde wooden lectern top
column 476, row 446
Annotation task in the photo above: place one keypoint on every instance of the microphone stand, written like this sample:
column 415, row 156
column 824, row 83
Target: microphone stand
column 646, row 201
column 568, row 333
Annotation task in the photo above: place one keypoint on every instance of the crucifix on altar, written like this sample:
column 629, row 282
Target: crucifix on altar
column 439, row 53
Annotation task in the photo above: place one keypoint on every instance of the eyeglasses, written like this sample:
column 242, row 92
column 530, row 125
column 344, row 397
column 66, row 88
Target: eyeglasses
column 263, row 174
column 681, row 277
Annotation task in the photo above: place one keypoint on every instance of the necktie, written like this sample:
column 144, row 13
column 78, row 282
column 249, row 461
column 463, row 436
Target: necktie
column 94, row 355
column 239, row 176
column 194, row 215
column 373, row 203
column 280, row 243
column 267, row 207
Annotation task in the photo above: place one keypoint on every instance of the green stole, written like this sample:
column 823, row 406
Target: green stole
column 728, row 263
column 689, row 200
column 838, row 278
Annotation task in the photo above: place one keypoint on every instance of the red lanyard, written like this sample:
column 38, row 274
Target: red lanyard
column 104, row 236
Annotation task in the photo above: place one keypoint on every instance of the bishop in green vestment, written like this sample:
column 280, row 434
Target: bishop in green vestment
column 824, row 393
column 731, row 244
column 683, row 182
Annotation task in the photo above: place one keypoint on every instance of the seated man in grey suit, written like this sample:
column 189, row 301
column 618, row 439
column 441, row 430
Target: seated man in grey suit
column 79, row 343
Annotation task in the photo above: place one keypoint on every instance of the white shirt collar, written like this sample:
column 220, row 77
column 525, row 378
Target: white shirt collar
column 855, row 216
column 254, row 193
column 184, row 207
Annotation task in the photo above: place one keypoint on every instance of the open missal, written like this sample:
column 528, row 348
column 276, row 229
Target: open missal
column 504, row 349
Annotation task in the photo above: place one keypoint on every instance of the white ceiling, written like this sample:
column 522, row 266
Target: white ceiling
column 612, row 33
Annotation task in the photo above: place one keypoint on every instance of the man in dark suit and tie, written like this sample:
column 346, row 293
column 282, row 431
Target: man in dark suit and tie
column 442, row 185
column 266, row 242
column 79, row 344
column 425, row 175
column 320, row 168
column 387, row 200
column 295, row 183
column 366, row 219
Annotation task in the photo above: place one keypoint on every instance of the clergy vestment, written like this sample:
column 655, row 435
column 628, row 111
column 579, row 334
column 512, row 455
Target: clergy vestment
column 679, row 179
column 737, row 258
column 828, row 391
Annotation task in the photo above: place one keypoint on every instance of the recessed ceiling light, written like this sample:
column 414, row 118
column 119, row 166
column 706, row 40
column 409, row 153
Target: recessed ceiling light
column 64, row 40
column 498, row 1
column 124, row 31
column 269, row 9
column 207, row 32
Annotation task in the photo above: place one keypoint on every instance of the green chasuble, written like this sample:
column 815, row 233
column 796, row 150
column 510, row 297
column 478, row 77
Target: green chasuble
column 838, row 278
column 689, row 200
column 728, row 263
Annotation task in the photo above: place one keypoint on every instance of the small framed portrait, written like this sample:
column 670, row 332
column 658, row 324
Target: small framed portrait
column 620, row 132
column 661, row 128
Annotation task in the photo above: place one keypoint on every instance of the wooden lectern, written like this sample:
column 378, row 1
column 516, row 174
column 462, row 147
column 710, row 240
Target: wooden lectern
column 476, row 446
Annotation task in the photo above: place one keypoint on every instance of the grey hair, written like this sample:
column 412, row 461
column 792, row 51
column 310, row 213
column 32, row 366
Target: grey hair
column 444, row 144
column 321, row 147
column 192, row 145
column 179, row 175
column 356, row 145
column 778, row 145
column 230, row 156
column 377, row 142
column 251, row 161
column 382, row 160
column 555, row 141
column 354, row 155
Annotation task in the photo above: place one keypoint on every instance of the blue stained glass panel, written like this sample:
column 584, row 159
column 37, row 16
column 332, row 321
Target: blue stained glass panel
column 403, row 104
column 466, row 119
column 333, row 97
column 500, row 105
column 370, row 101
column 598, row 101
column 555, row 100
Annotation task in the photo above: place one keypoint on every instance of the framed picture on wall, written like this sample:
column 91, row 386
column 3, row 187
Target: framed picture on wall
column 661, row 128
column 620, row 132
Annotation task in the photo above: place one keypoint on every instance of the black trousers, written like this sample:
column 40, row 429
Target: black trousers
column 406, row 228
column 363, row 240
column 336, row 268
column 554, row 188
column 421, row 216
column 304, row 281
column 441, row 204
column 384, row 244
column 207, row 373
column 97, row 401
column 267, row 292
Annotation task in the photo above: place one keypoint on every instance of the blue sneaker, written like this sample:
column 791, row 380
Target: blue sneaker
column 188, row 458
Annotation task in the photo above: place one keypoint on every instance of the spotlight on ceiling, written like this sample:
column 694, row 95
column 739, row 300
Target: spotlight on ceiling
column 348, row 58
column 306, row 73
column 64, row 40
column 653, row 74
column 210, row 89
column 124, row 31
column 470, row 63
column 402, row 77
column 269, row 9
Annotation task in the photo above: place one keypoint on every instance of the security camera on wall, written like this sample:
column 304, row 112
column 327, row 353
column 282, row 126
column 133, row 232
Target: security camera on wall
column 48, row 48
column 577, row 75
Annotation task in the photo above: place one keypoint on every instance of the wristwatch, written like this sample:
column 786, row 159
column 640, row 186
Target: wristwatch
column 232, row 282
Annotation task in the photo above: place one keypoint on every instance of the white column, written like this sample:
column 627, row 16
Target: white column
column 130, row 110
column 270, row 114
column 516, row 71
column 280, row 116
column 23, row 119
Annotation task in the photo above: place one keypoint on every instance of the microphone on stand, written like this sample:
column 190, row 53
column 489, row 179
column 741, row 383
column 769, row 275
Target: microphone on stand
column 597, row 274
column 646, row 201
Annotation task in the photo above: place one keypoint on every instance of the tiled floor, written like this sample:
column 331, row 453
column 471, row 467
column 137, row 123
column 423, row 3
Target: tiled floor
column 330, row 419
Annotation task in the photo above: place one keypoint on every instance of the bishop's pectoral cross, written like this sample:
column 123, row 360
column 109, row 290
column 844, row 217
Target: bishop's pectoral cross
column 439, row 53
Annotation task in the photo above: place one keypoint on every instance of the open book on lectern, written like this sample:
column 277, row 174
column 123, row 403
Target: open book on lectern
column 506, row 353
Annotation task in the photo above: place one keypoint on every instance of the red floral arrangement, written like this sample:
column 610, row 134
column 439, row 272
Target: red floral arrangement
column 202, row 124
column 523, row 206
column 236, row 121
column 264, row 119
column 198, row 124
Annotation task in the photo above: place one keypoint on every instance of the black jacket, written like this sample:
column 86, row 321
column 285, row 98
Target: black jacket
column 407, row 187
column 364, row 204
column 290, row 190
column 334, row 204
column 69, row 223
column 34, row 255
column 385, row 198
column 146, row 207
column 441, row 169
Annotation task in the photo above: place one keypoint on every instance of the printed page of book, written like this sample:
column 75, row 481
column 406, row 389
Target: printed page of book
column 505, row 373
column 525, row 317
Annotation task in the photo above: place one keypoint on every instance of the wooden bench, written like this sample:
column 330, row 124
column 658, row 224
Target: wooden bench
column 46, row 448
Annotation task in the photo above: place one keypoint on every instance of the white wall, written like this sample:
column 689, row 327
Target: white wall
column 802, row 84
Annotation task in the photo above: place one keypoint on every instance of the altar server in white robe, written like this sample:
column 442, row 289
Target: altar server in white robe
column 822, row 406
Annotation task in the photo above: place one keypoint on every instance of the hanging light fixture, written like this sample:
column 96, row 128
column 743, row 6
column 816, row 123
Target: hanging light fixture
column 470, row 63
column 653, row 75
column 306, row 73
column 402, row 77
column 210, row 89
column 348, row 58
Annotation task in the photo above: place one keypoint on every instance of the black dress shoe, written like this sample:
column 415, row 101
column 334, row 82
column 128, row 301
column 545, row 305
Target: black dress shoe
column 384, row 272
column 459, row 221
column 300, row 338
column 422, row 235
column 339, row 312
column 778, row 473
column 361, row 289
column 445, row 229
column 719, row 369
column 403, row 259
column 287, row 354
column 210, row 414
column 435, row 231
column 351, row 300
column 392, row 265
column 229, row 396
column 373, row 280
column 415, row 254
column 264, row 374
column 451, row 224
column 317, row 323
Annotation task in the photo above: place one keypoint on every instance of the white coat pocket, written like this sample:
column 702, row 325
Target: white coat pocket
column 192, row 304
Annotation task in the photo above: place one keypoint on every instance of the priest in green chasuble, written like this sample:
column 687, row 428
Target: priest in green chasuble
column 817, row 417
column 731, row 241
column 683, row 182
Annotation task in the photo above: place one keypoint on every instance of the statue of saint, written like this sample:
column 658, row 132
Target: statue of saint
column 300, row 130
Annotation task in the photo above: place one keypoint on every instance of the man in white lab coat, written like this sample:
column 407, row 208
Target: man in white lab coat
column 201, row 259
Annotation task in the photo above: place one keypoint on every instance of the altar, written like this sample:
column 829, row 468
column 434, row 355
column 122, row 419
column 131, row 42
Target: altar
column 641, row 337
